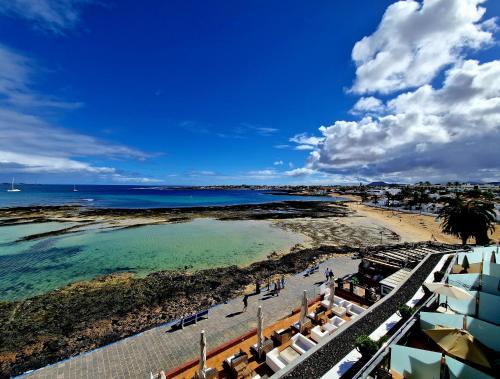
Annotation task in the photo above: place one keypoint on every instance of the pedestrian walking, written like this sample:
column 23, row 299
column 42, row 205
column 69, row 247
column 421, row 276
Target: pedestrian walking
column 327, row 274
column 278, row 287
column 282, row 281
column 245, row 303
column 275, row 290
column 330, row 275
column 257, row 287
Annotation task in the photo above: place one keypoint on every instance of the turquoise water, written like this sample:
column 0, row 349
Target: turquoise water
column 9, row 234
column 34, row 267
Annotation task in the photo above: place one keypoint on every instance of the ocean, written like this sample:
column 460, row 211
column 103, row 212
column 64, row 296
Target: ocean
column 114, row 196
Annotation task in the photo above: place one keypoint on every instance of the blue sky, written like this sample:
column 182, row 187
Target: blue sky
column 192, row 92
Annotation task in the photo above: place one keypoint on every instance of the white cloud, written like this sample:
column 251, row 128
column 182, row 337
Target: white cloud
column 415, row 40
column 245, row 129
column 278, row 163
column 302, row 171
column 33, row 163
column 304, row 147
column 51, row 15
column 265, row 132
column 21, row 132
column 368, row 104
column 266, row 172
column 29, row 144
column 16, row 81
column 134, row 179
column 196, row 173
column 433, row 131
column 453, row 130
column 304, row 139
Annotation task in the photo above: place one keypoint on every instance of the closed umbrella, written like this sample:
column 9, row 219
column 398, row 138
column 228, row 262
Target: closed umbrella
column 465, row 263
column 203, row 355
column 303, row 311
column 162, row 375
column 260, row 331
column 493, row 258
column 331, row 298
column 459, row 343
column 151, row 375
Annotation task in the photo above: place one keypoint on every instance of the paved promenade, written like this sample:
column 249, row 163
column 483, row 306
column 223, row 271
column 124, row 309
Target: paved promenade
column 162, row 349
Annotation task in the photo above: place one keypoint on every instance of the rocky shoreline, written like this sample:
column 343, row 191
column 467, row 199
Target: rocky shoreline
column 106, row 218
column 82, row 316
column 278, row 210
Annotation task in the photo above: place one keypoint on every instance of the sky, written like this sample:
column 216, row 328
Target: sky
column 255, row 92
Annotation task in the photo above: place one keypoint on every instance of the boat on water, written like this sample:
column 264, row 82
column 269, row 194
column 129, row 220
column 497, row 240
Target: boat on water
column 74, row 188
column 12, row 188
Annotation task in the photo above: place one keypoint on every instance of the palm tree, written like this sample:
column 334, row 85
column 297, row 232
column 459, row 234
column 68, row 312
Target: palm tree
column 388, row 197
column 468, row 218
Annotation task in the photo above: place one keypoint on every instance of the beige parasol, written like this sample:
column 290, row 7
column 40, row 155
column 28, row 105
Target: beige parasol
column 459, row 343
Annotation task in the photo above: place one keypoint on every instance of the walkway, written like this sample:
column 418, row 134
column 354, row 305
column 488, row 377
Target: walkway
column 161, row 349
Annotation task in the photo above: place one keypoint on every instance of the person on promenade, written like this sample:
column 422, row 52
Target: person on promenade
column 327, row 274
column 275, row 289
column 245, row 303
column 278, row 288
column 330, row 275
column 282, row 281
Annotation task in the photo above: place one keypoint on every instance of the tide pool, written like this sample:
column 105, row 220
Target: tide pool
column 34, row 267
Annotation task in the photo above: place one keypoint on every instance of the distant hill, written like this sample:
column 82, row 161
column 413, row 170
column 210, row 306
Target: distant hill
column 378, row 184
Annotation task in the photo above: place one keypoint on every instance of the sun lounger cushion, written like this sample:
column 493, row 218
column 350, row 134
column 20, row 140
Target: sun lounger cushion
column 301, row 343
column 317, row 333
column 347, row 305
column 339, row 311
column 355, row 310
column 330, row 328
column 337, row 321
column 274, row 361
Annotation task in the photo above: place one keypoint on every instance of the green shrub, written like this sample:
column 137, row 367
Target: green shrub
column 404, row 311
column 366, row 346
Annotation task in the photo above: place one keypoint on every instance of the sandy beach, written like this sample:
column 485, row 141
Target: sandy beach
column 411, row 227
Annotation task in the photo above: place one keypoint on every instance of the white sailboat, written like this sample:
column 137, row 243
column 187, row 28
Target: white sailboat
column 74, row 188
column 12, row 189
